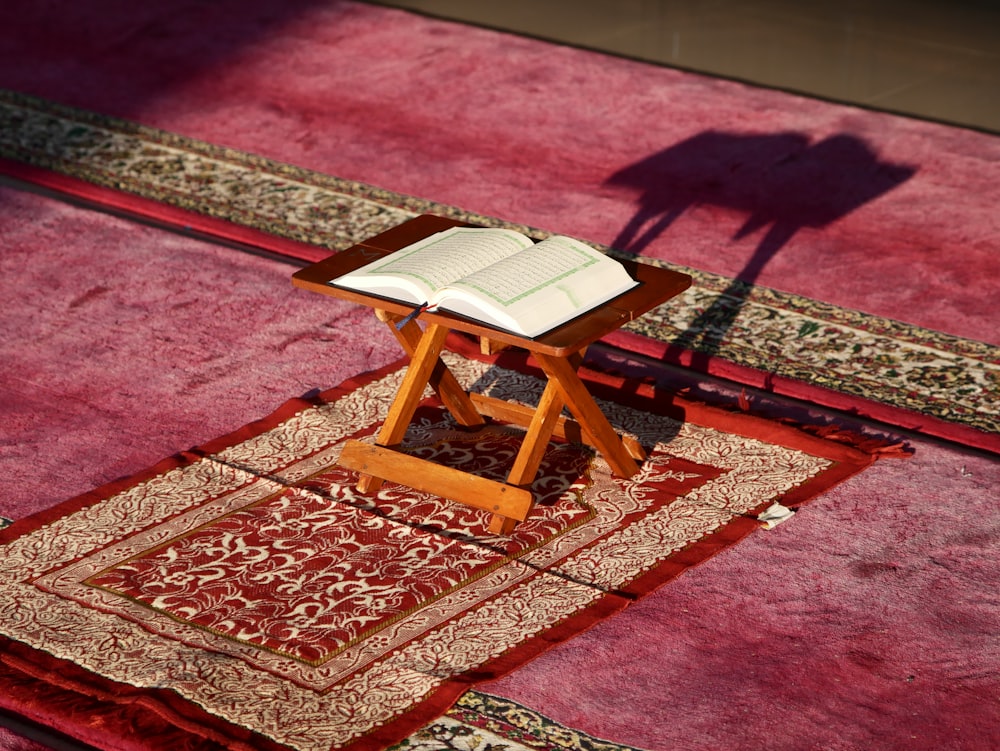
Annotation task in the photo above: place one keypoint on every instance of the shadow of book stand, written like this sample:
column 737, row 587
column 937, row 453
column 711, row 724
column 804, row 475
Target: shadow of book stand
column 559, row 352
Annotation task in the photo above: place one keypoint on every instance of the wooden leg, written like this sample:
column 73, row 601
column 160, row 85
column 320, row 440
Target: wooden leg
column 529, row 456
column 422, row 364
column 543, row 423
column 563, row 373
column 501, row 525
column 508, row 503
column 451, row 393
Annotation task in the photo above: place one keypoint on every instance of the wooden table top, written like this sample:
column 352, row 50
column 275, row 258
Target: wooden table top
column 657, row 285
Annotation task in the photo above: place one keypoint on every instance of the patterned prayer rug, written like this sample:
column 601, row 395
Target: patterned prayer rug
column 243, row 593
column 480, row 722
column 941, row 384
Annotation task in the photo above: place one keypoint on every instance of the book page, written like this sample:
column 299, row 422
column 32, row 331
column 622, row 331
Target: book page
column 439, row 259
column 548, row 264
column 538, row 288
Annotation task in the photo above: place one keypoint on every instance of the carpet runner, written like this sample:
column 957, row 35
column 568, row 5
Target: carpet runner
column 883, row 369
column 244, row 594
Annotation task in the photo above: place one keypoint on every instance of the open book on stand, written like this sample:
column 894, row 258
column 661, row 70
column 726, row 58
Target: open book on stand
column 496, row 276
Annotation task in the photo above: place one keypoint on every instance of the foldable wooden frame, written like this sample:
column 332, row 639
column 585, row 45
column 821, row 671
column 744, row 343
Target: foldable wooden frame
column 559, row 352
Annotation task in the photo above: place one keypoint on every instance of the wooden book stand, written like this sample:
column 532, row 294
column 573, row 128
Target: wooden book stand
column 559, row 352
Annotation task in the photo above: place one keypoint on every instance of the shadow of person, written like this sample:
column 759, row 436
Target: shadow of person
column 781, row 181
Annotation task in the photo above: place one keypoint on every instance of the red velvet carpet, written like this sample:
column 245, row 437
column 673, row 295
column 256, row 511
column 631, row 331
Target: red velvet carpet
column 867, row 621
column 882, row 214
column 806, row 197
column 882, row 369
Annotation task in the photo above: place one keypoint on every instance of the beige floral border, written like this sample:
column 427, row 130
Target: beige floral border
column 894, row 363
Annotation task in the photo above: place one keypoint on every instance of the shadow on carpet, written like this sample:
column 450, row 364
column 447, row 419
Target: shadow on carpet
column 877, row 368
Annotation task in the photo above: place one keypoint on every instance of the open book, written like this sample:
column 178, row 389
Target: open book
column 496, row 276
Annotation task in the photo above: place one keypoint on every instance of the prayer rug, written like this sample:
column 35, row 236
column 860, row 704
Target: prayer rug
column 883, row 369
column 244, row 594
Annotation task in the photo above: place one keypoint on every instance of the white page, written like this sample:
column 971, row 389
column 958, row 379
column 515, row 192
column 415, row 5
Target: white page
column 559, row 262
column 437, row 260
column 539, row 288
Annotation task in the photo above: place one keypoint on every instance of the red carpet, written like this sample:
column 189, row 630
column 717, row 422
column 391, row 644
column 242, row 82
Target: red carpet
column 882, row 369
column 173, row 341
column 823, row 201
column 572, row 141
column 244, row 593
column 866, row 622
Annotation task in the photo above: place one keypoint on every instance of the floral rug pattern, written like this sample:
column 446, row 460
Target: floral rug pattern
column 949, row 378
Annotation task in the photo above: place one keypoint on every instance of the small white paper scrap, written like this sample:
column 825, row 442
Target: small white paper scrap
column 774, row 515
